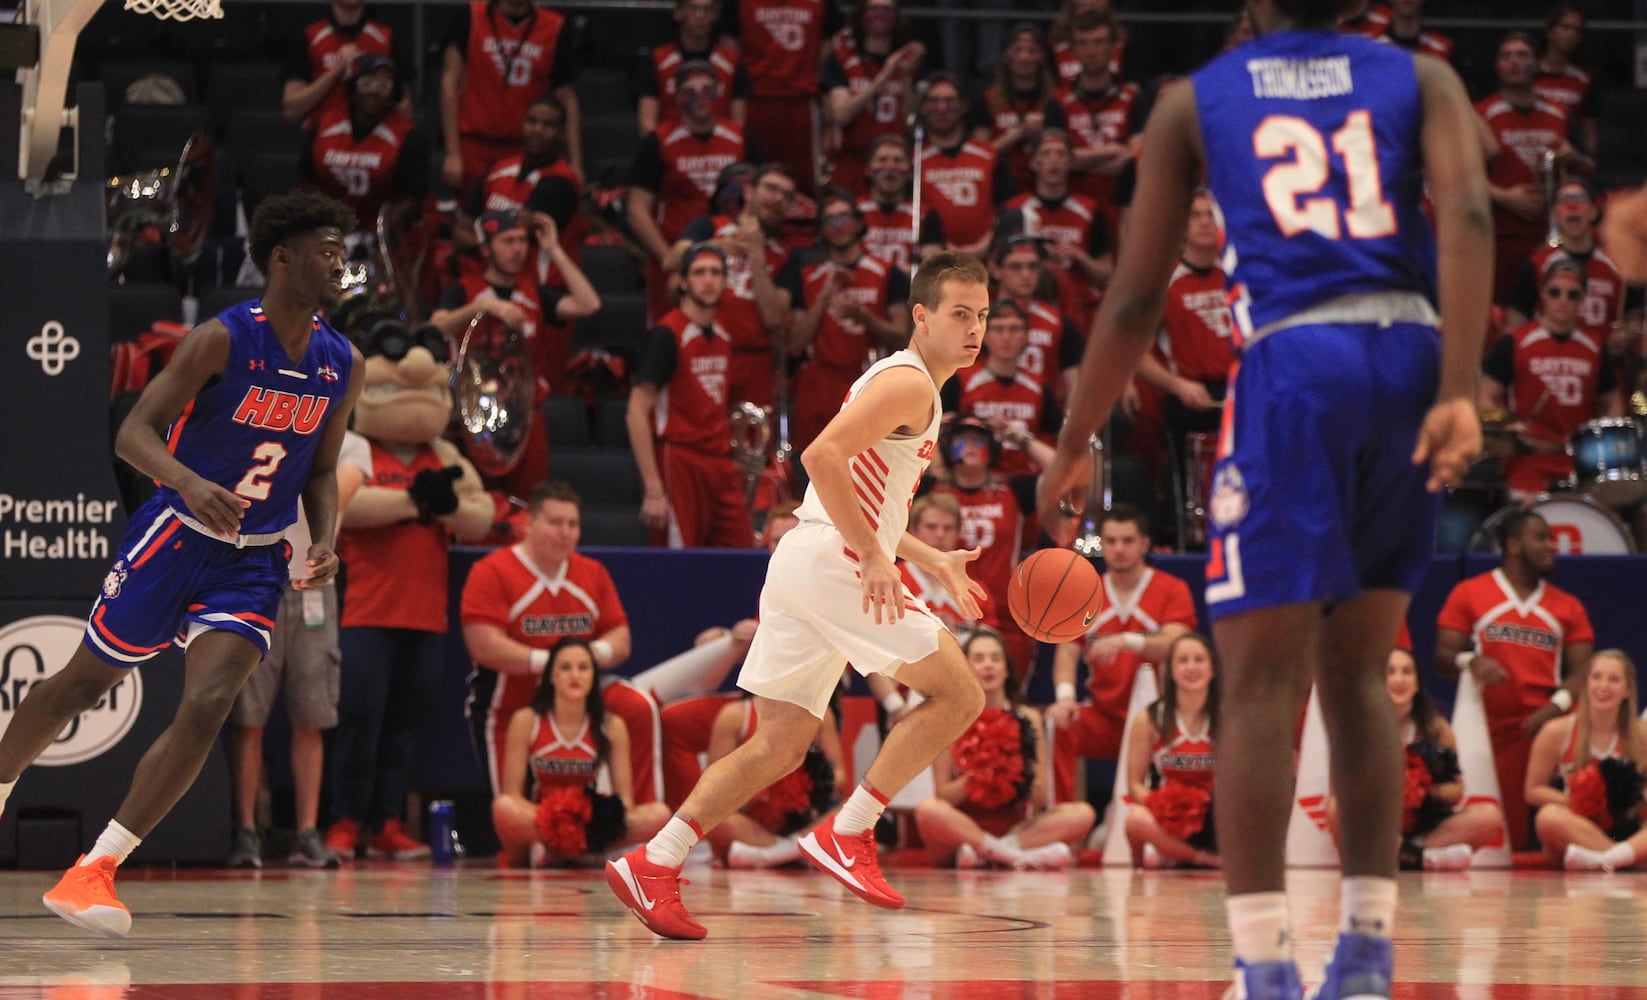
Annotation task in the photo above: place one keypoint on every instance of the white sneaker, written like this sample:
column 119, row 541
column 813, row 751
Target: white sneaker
column 1048, row 857
column 1153, row 859
column 967, row 857
column 1582, row 859
column 1452, row 858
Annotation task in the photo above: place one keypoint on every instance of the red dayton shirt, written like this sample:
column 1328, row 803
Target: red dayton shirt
column 681, row 167
column 1525, row 134
column 781, row 42
column 689, row 364
column 508, row 65
column 657, row 76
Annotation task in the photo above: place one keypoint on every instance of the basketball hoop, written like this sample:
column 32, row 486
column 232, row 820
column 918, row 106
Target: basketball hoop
column 177, row 10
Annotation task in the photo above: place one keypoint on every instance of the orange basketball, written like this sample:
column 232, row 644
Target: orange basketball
column 1055, row 595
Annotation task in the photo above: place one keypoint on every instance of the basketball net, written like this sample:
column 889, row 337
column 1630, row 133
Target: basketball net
column 46, row 84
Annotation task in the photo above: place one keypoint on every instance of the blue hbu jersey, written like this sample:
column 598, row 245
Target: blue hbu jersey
column 255, row 429
column 1312, row 144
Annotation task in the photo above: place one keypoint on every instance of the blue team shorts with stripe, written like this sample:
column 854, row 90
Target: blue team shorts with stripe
column 1315, row 497
column 170, row 582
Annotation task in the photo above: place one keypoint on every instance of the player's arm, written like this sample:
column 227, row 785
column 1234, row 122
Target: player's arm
column 201, row 356
column 898, row 398
column 618, row 761
column 1542, row 762
column 1130, row 316
column 1457, row 181
column 949, row 568
column 320, row 489
column 517, row 745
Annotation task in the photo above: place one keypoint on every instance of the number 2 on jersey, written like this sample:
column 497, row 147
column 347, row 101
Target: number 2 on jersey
column 1293, row 188
column 255, row 484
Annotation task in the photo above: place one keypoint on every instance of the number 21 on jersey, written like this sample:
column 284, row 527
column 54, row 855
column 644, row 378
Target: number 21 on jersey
column 1294, row 188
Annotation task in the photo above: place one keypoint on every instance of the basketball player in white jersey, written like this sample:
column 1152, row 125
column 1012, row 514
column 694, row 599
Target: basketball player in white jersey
column 833, row 596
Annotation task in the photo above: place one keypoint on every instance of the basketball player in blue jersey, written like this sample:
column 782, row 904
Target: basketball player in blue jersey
column 1349, row 411
column 246, row 418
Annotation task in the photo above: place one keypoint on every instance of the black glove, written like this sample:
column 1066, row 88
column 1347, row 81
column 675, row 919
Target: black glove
column 432, row 491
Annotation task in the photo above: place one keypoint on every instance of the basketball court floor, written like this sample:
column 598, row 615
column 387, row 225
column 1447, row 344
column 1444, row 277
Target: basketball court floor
column 368, row 932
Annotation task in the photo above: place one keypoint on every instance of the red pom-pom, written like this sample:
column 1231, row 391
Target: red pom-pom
column 1587, row 795
column 990, row 757
column 791, row 793
column 562, row 816
column 1416, row 786
column 1180, row 808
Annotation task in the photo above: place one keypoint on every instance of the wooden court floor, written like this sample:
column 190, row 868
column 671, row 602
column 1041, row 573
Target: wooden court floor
column 371, row 932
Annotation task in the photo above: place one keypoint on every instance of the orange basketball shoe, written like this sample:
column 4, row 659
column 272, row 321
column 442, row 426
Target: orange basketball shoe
column 653, row 894
column 853, row 862
column 85, row 897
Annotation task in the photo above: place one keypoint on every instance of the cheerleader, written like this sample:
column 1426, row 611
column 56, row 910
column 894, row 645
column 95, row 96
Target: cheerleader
column 1170, row 762
column 567, row 743
column 989, row 781
column 1584, row 774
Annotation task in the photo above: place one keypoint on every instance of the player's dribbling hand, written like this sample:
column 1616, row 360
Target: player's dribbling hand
column 1449, row 440
column 1063, row 478
column 322, row 563
column 883, row 588
column 951, row 572
column 214, row 506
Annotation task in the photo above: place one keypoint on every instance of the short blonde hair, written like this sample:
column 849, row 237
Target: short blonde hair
column 946, row 265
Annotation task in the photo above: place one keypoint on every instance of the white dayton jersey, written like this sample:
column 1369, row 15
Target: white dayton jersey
column 885, row 476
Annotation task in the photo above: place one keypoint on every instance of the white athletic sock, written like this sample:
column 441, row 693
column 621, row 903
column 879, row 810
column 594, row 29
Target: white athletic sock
column 1620, row 855
column 117, row 842
column 1583, row 859
column 861, row 810
column 1366, row 905
column 676, row 838
column 1259, row 927
column 1051, row 856
column 5, row 793
column 781, row 852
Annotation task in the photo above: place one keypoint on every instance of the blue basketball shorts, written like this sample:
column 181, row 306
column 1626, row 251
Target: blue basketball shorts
column 171, row 582
column 1314, row 496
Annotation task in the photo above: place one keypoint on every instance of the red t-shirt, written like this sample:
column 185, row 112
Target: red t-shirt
column 1019, row 399
column 1195, row 330
column 691, row 408
column 505, row 588
column 1526, row 637
column 397, row 572
column 669, row 57
column 781, row 42
column 505, row 68
column 1160, row 599
column 358, row 171
column 1525, row 135
column 959, row 184
column 889, row 232
column 991, row 520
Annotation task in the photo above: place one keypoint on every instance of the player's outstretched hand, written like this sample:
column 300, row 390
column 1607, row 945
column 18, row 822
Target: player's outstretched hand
column 1063, row 478
column 883, row 588
column 322, row 563
column 214, row 506
column 1449, row 440
column 951, row 572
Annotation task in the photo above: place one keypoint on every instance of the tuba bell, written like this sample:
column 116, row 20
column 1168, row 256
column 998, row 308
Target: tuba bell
column 751, row 436
column 158, row 218
column 494, row 389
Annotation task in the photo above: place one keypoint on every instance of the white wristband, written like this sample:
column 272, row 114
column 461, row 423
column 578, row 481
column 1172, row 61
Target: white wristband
column 1463, row 660
column 1066, row 692
column 1562, row 699
column 537, row 661
column 893, row 703
column 1134, row 641
column 602, row 651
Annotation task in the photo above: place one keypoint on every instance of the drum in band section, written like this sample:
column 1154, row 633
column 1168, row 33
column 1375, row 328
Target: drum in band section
column 1579, row 525
column 1608, row 462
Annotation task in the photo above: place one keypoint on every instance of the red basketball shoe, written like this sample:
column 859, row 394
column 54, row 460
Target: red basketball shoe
column 653, row 894
column 853, row 862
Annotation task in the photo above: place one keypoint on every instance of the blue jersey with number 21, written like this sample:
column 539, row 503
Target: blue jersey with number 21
column 1312, row 142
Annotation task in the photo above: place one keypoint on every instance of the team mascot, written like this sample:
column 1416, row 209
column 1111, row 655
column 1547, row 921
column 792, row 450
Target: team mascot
column 405, row 495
